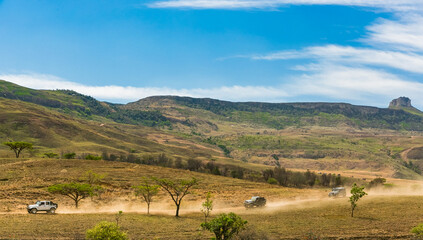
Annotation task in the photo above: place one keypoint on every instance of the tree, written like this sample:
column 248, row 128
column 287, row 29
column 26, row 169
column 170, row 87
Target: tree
column 106, row 231
column 207, row 206
column 75, row 191
column 225, row 226
column 18, row 147
column 176, row 189
column 147, row 191
column 356, row 193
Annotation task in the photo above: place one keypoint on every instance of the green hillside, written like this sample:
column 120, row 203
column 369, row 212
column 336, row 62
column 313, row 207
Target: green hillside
column 76, row 104
column 331, row 137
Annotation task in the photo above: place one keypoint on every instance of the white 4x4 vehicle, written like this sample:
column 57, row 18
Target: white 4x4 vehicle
column 47, row 206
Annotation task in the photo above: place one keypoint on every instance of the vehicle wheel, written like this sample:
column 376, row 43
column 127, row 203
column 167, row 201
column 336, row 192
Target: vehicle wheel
column 52, row 211
column 34, row 211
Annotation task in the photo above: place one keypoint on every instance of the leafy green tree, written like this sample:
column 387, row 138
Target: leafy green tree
column 50, row 155
column 418, row 230
column 106, row 231
column 176, row 189
column 75, row 191
column 147, row 191
column 225, row 226
column 207, row 206
column 18, row 147
column 356, row 193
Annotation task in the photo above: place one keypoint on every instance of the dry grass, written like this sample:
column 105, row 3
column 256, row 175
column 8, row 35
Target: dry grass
column 376, row 218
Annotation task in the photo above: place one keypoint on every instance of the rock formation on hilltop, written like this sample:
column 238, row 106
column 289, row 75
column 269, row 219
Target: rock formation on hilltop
column 401, row 102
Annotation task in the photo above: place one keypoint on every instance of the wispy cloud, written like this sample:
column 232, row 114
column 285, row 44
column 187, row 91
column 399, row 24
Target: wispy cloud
column 406, row 61
column 396, row 5
column 128, row 93
column 405, row 34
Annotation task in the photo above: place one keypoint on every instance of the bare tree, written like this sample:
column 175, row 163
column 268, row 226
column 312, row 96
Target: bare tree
column 176, row 189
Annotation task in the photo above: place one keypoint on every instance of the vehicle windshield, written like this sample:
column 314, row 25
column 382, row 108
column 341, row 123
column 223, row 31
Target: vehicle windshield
column 254, row 199
column 37, row 203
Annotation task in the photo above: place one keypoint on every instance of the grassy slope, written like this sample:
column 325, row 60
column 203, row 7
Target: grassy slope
column 50, row 130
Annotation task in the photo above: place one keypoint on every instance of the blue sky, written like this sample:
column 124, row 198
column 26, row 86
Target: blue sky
column 356, row 51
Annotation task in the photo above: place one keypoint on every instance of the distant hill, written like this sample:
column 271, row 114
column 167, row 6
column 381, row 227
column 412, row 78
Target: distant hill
column 281, row 115
column 76, row 104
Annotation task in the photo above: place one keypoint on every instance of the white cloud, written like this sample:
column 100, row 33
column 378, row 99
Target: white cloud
column 406, row 61
column 357, row 84
column 128, row 93
column 405, row 34
column 396, row 5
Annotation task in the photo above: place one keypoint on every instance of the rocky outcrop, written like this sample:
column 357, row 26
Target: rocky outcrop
column 401, row 102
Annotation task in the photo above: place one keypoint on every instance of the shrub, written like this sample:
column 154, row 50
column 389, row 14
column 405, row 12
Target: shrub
column 225, row 226
column 69, row 155
column 50, row 155
column 418, row 230
column 377, row 182
column 92, row 157
column 272, row 181
column 106, row 231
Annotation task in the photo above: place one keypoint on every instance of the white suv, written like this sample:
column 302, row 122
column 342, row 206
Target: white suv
column 47, row 206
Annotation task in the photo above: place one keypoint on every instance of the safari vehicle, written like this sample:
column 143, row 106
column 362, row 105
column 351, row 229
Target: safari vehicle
column 255, row 202
column 46, row 206
column 338, row 192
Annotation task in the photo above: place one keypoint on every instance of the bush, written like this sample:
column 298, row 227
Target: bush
column 377, row 182
column 69, row 155
column 272, row 181
column 225, row 226
column 106, row 231
column 418, row 230
column 92, row 157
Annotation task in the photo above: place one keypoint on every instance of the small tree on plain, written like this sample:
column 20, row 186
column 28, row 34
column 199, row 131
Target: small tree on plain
column 356, row 193
column 106, row 230
column 147, row 191
column 176, row 189
column 225, row 226
column 18, row 147
column 75, row 191
column 207, row 206
column 118, row 216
